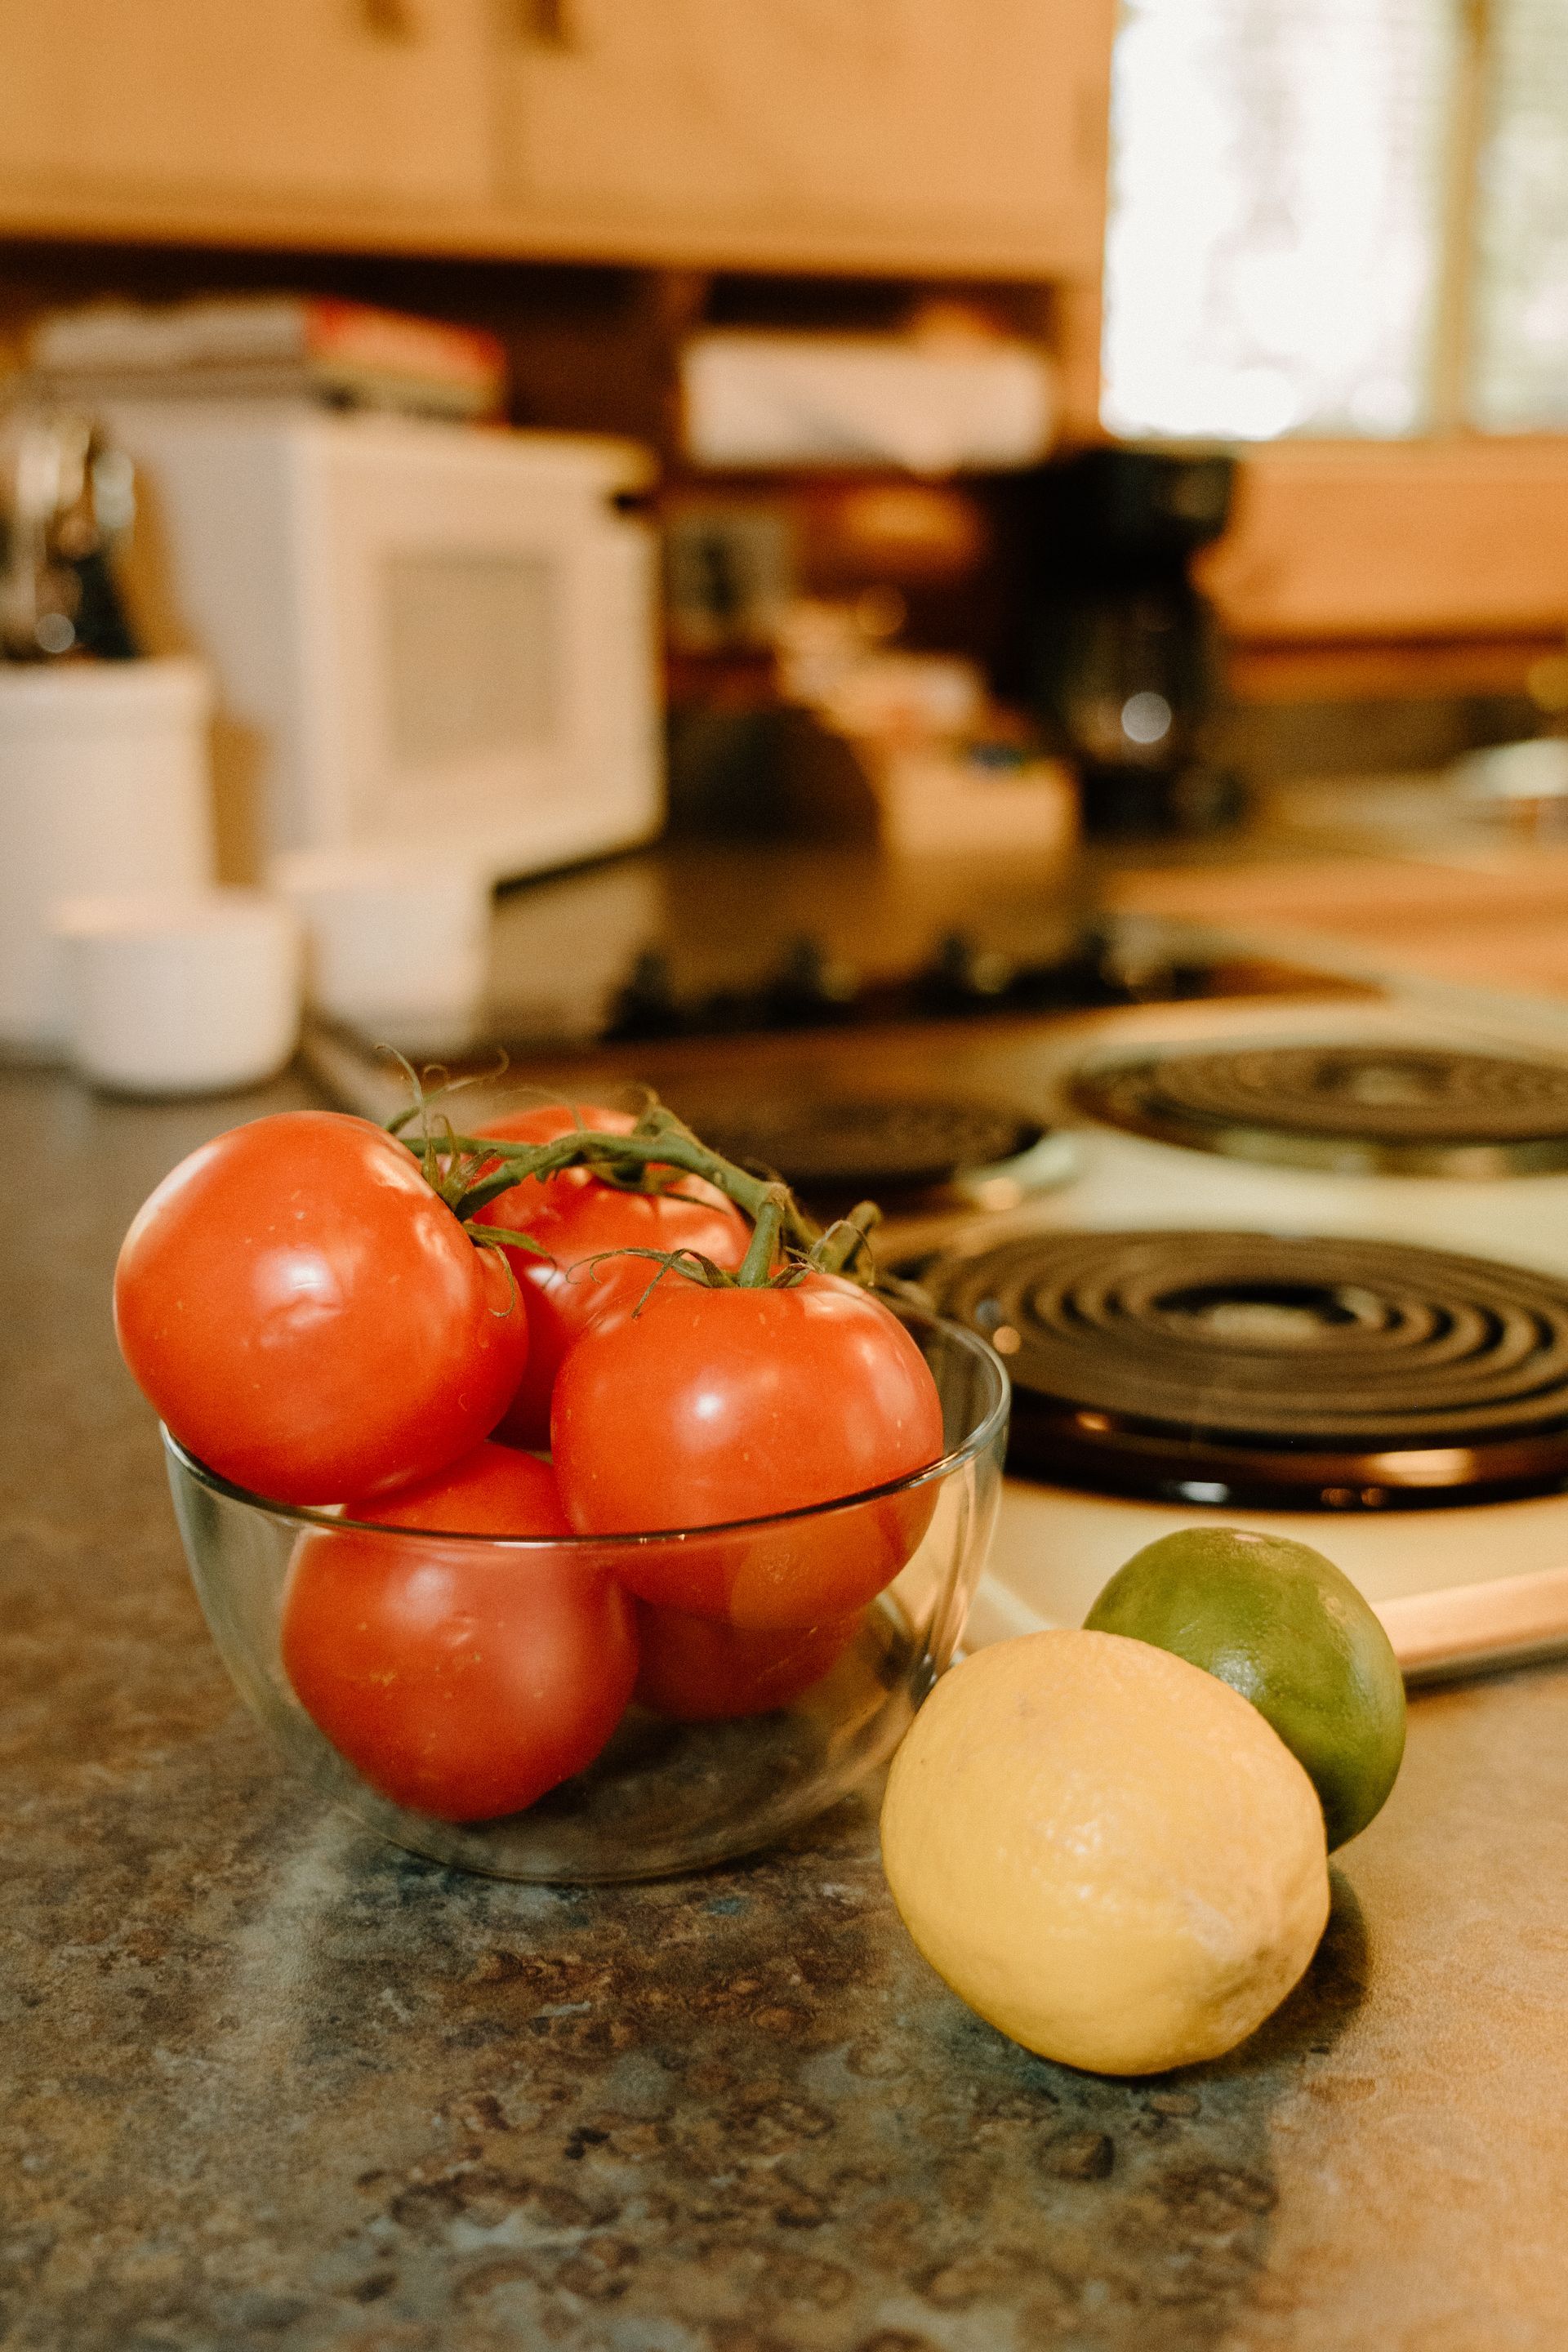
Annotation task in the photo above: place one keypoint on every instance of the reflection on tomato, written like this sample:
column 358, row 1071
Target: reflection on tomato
column 788, row 1573
column 711, row 1406
column 699, row 1670
column 309, row 1318
column 461, row 1679
column 576, row 1216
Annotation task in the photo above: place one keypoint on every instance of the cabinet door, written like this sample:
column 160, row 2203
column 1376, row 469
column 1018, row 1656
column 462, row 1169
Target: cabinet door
column 910, row 132
column 126, row 102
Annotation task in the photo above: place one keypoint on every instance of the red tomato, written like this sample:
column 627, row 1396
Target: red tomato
column 308, row 1316
column 461, row 1679
column 575, row 1216
column 699, row 1670
column 715, row 1405
column 493, row 1491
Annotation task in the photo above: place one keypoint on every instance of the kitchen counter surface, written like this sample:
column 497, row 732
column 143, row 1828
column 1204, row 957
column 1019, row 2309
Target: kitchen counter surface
column 274, row 2084
column 1388, row 874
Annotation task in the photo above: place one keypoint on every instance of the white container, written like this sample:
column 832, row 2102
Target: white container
column 104, row 786
column 395, row 945
column 933, row 402
column 177, row 995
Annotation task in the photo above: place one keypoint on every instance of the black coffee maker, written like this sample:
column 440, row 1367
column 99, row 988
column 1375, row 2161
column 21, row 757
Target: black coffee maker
column 1123, row 656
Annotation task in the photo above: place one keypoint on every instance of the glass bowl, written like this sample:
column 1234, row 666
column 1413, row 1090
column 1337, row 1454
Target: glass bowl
column 663, row 1795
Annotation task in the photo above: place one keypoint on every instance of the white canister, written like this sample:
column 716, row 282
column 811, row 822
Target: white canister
column 104, row 787
column 193, row 993
column 395, row 944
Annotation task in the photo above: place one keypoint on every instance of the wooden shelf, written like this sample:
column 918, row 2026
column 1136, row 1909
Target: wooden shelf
column 1392, row 670
column 485, row 233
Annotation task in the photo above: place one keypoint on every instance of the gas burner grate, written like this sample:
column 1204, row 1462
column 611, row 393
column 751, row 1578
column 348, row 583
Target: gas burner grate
column 1360, row 1108
column 1300, row 1375
column 831, row 1145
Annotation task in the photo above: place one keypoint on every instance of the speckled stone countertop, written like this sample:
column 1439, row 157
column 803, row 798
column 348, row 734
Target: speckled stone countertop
column 270, row 2083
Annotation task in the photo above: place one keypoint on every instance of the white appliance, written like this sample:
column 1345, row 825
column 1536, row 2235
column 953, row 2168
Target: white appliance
column 1470, row 1584
column 421, row 633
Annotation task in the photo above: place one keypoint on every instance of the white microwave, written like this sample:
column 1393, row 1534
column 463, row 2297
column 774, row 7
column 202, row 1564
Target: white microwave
column 421, row 634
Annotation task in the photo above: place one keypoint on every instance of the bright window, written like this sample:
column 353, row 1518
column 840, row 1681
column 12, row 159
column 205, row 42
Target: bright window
column 1521, row 375
column 1338, row 216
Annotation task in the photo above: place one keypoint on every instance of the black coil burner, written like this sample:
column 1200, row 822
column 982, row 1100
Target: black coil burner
column 1394, row 1109
column 1288, row 1373
column 834, row 1145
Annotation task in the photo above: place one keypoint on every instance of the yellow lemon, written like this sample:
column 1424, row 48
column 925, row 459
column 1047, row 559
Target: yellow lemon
column 1105, row 1850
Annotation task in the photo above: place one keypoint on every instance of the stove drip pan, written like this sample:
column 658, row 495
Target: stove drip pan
column 1383, row 1109
column 1277, row 1373
column 864, row 1144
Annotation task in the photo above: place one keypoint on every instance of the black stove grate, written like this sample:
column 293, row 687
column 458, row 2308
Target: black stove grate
column 1380, row 1108
column 839, row 1144
column 1287, row 1372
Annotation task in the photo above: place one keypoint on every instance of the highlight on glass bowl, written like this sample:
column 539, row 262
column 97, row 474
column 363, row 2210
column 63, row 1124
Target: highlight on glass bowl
column 559, row 1496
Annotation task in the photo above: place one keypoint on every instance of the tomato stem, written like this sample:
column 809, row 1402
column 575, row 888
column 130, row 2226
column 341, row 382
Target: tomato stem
column 495, row 1236
column 469, row 1171
column 423, row 1100
column 757, row 1265
column 660, row 1140
column 846, row 1246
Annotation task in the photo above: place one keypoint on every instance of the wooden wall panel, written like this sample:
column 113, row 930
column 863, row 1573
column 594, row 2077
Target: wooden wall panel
column 1459, row 538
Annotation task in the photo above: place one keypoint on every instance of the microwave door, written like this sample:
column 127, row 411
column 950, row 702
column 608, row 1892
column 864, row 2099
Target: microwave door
column 497, row 689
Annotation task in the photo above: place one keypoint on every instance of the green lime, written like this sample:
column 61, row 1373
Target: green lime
column 1280, row 1625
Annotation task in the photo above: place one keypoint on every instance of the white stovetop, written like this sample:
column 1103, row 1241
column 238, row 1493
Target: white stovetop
column 1055, row 1547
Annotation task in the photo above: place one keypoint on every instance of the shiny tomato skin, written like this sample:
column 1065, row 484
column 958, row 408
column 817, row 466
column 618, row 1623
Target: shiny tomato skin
column 575, row 1216
column 710, row 1406
column 461, row 1679
column 309, row 1318
column 493, row 1491
column 702, row 1670
column 788, row 1573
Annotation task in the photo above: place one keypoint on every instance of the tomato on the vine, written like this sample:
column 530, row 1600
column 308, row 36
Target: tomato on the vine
column 711, row 1405
column 702, row 1670
column 461, row 1679
column 308, row 1318
column 577, row 1217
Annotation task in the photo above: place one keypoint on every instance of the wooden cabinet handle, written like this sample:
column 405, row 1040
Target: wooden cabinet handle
column 388, row 20
column 547, row 23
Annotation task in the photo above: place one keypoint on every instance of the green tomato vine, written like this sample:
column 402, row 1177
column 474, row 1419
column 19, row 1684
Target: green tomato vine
column 469, row 1171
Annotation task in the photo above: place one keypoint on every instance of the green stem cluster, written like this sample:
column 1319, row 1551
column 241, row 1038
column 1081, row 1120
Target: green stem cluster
column 469, row 1171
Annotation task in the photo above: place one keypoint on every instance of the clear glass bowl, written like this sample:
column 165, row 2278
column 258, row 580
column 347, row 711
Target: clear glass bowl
column 663, row 1795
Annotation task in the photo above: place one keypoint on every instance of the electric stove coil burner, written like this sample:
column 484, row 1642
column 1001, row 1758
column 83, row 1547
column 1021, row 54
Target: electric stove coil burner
column 832, row 1145
column 1297, row 1374
column 1382, row 1108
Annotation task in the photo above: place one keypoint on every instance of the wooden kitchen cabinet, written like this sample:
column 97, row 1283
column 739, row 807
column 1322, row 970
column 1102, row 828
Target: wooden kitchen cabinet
column 202, row 113
column 919, row 136
column 899, row 133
